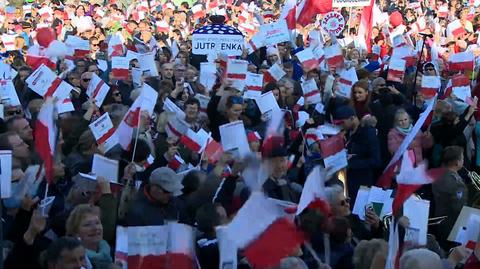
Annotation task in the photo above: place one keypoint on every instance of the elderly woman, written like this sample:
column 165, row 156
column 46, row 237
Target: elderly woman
column 402, row 127
column 84, row 223
column 372, row 227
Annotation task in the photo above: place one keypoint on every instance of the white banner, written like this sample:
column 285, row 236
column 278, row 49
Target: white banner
column 350, row 3
column 274, row 33
column 204, row 44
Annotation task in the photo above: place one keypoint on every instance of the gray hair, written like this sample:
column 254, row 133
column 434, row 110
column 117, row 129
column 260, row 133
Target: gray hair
column 332, row 193
column 292, row 262
column 116, row 112
column 420, row 259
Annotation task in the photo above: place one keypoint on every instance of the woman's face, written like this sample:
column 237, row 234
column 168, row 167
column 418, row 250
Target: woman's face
column 276, row 94
column 235, row 111
column 80, row 11
column 403, row 120
column 355, row 55
column 341, row 206
column 90, row 230
column 182, row 58
column 117, row 96
column 359, row 94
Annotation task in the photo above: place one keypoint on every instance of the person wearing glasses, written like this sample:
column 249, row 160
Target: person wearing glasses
column 157, row 202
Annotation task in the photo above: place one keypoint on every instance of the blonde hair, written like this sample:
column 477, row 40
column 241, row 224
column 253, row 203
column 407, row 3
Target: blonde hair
column 77, row 215
column 368, row 253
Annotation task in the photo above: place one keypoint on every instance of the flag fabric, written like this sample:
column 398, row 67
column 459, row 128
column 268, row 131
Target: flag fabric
column 366, row 23
column 396, row 70
column 313, row 189
column 460, row 87
column 430, row 86
column 120, row 67
column 311, row 93
column 308, row 59
column 46, row 137
column 455, row 29
column 195, row 141
column 462, row 61
column 176, row 162
column 129, row 122
column 97, row 89
column 334, row 56
column 213, row 151
column 274, row 73
column 289, row 11
column 198, row 11
column 176, row 127
column 254, row 82
column 269, row 238
column 348, row 77
column 334, row 153
column 307, row 10
column 115, row 46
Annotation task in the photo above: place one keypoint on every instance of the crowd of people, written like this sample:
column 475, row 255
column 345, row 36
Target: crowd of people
column 162, row 178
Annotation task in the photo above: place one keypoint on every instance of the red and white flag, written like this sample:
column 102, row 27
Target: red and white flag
column 396, row 70
column 213, row 151
column 274, row 73
column 311, row 93
column 308, row 59
column 175, row 163
column 256, row 42
column 198, row 11
column 243, row 17
column 9, row 41
column 313, row 135
column 120, row 67
column 104, row 132
column 195, row 141
column 237, row 72
column 166, row 246
column 115, row 46
column 129, row 122
column 176, row 127
column 97, row 89
column 313, row 190
column 420, row 25
column 462, row 61
column 348, row 77
column 398, row 41
column 80, row 46
column 46, row 137
column 289, row 11
column 162, row 26
column 64, row 106
column 443, row 11
column 254, row 82
column 430, row 86
column 455, row 29
column 460, row 85
column 366, row 23
column 271, row 232
column 307, row 10
column 334, row 56
column 45, row 82
column 334, row 153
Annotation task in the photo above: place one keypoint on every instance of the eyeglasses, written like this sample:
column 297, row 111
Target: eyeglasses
column 86, row 79
column 95, row 45
column 345, row 202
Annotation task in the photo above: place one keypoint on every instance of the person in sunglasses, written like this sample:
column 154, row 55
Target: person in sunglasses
column 157, row 202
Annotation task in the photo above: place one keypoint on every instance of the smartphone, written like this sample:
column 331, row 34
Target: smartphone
column 369, row 207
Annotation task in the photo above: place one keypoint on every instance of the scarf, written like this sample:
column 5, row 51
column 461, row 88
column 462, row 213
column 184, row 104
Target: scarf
column 102, row 258
column 404, row 131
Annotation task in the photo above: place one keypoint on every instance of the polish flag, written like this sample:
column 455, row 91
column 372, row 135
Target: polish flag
column 308, row 59
column 129, row 122
column 334, row 153
column 104, row 132
column 213, row 151
column 274, row 73
column 313, row 135
column 254, row 82
column 334, row 56
column 314, row 189
column 396, row 70
column 45, row 137
column 460, row 87
column 289, row 11
column 198, row 11
column 443, row 11
column 256, row 42
column 45, row 82
column 366, row 23
column 9, row 41
column 463, row 61
column 115, row 46
column 247, row 28
column 348, row 77
column 455, row 29
column 311, row 93
column 411, row 178
column 97, row 89
column 243, row 17
column 195, row 141
column 430, row 86
column 64, row 106
column 398, row 41
column 35, row 61
column 166, row 246
column 175, row 163
column 176, row 127
column 211, row 4
column 307, row 10
column 120, row 67
column 162, row 26
column 420, row 25
column 405, row 53
column 237, row 72
column 268, row 239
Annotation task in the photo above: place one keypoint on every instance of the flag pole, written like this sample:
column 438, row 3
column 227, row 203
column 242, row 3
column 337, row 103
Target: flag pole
column 136, row 136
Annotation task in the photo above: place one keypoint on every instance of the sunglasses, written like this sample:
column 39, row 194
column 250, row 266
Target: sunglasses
column 429, row 69
column 14, row 112
column 95, row 45
column 345, row 202
column 86, row 79
column 117, row 94
column 236, row 100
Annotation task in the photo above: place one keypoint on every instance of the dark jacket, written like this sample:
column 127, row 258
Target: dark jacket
column 145, row 212
column 280, row 191
column 364, row 147
column 207, row 252
column 450, row 195
column 216, row 118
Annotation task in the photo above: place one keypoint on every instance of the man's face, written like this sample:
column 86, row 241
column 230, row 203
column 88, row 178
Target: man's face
column 71, row 259
column 159, row 194
column 22, row 128
column 167, row 71
column 86, row 77
column 20, row 148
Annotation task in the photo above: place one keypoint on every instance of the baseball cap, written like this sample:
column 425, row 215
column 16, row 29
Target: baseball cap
column 343, row 113
column 168, row 180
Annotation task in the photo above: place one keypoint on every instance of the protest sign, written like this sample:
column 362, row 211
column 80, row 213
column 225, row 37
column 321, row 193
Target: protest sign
column 350, row 3
column 333, row 22
column 5, row 173
column 234, row 139
column 274, row 33
column 97, row 89
column 219, row 38
column 105, row 167
column 104, row 132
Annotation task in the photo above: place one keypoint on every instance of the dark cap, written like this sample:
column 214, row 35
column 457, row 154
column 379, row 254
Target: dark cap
column 343, row 113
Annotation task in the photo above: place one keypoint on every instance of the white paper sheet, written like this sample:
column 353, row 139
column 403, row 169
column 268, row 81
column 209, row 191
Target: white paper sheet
column 104, row 167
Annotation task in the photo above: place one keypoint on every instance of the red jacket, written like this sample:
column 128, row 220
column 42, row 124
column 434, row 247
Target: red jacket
column 420, row 142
